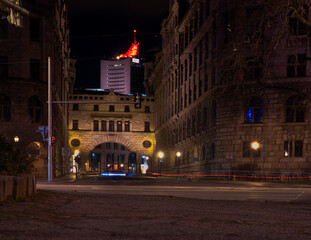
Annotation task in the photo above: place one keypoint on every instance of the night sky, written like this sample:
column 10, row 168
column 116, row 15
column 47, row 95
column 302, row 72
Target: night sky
column 102, row 29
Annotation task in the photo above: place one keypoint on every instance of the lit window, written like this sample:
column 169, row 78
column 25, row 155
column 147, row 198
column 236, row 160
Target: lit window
column 254, row 111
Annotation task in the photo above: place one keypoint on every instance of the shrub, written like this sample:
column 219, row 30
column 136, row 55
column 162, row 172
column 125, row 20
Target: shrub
column 12, row 161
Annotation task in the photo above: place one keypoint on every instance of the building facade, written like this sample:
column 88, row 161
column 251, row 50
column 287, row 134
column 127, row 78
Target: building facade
column 24, row 55
column 124, row 75
column 233, row 73
column 109, row 132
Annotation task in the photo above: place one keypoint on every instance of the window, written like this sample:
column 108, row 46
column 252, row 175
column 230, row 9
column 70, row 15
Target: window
column 206, row 46
column 213, row 151
column 254, row 111
column 34, row 28
column 4, row 67
column 75, row 125
column 126, row 108
column 115, row 146
column 248, row 151
column 119, row 126
column 111, row 108
column 5, row 108
column 95, row 125
column 195, row 59
column 3, row 29
column 296, row 27
column 296, row 65
column 35, row 69
column 34, row 109
column 190, row 64
column 122, row 148
column 104, row 125
column 108, row 145
column 253, row 68
column 186, row 70
column 227, row 27
column 147, row 126
column 294, row 109
column 288, row 148
column 298, row 148
column 111, row 126
column 127, row 126
column 207, row 7
column 96, row 108
column 147, row 109
column 75, row 107
column 213, row 117
column 255, row 27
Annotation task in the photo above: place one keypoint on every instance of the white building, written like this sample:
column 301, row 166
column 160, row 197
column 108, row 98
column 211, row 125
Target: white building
column 124, row 76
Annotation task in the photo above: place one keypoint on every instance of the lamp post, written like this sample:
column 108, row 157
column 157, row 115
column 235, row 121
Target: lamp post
column 255, row 146
column 178, row 154
column 161, row 156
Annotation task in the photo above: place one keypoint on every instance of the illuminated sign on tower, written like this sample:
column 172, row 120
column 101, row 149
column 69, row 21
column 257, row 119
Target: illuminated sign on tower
column 133, row 50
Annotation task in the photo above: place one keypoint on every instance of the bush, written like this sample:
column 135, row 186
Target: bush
column 12, row 161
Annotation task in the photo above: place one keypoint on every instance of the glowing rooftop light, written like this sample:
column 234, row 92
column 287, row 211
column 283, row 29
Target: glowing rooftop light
column 133, row 50
column 255, row 145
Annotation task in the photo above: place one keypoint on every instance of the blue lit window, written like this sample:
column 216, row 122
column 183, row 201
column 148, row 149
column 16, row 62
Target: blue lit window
column 254, row 111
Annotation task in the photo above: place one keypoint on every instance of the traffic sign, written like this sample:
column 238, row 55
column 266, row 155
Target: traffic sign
column 66, row 151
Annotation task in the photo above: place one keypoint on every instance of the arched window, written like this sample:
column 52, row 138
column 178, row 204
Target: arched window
column 254, row 111
column 294, row 109
column 34, row 109
column 5, row 108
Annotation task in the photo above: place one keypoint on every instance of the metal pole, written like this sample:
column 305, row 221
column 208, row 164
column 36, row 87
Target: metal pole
column 50, row 170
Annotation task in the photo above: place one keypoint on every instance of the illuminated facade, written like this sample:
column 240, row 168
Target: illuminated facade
column 23, row 80
column 217, row 91
column 106, row 128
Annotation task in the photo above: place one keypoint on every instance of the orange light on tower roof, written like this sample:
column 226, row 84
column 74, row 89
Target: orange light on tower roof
column 133, row 50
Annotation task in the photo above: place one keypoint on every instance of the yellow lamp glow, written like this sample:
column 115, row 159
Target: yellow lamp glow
column 178, row 154
column 160, row 154
column 16, row 139
column 255, row 145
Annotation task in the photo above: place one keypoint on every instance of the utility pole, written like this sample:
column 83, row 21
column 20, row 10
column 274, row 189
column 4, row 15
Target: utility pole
column 50, row 155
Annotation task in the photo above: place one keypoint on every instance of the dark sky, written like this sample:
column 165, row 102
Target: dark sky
column 102, row 29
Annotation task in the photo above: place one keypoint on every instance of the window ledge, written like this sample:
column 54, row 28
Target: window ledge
column 294, row 124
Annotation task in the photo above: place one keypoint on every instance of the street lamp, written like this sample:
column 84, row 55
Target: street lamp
column 255, row 146
column 178, row 154
column 161, row 156
column 16, row 139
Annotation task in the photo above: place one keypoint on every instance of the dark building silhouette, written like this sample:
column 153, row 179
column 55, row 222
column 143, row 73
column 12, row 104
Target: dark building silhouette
column 24, row 53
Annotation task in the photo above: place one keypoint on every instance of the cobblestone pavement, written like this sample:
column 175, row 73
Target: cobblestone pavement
column 50, row 215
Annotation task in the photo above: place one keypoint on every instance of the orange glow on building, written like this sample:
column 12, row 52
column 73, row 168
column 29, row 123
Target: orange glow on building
column 133, row 50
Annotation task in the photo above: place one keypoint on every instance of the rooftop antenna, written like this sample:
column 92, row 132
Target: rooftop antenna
column 135, row 36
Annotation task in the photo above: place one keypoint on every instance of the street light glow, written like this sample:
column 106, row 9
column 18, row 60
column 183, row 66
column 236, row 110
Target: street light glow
column 160, row 154
column 178, row 154
column 76, row 152
column 16, row 139
column 255, row 145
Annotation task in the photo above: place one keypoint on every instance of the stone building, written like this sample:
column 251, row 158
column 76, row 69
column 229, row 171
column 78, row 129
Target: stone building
column 24, row 53
column 233, row 73
column 109, row 130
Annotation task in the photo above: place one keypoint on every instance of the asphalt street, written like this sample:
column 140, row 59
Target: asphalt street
column 208, row 190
